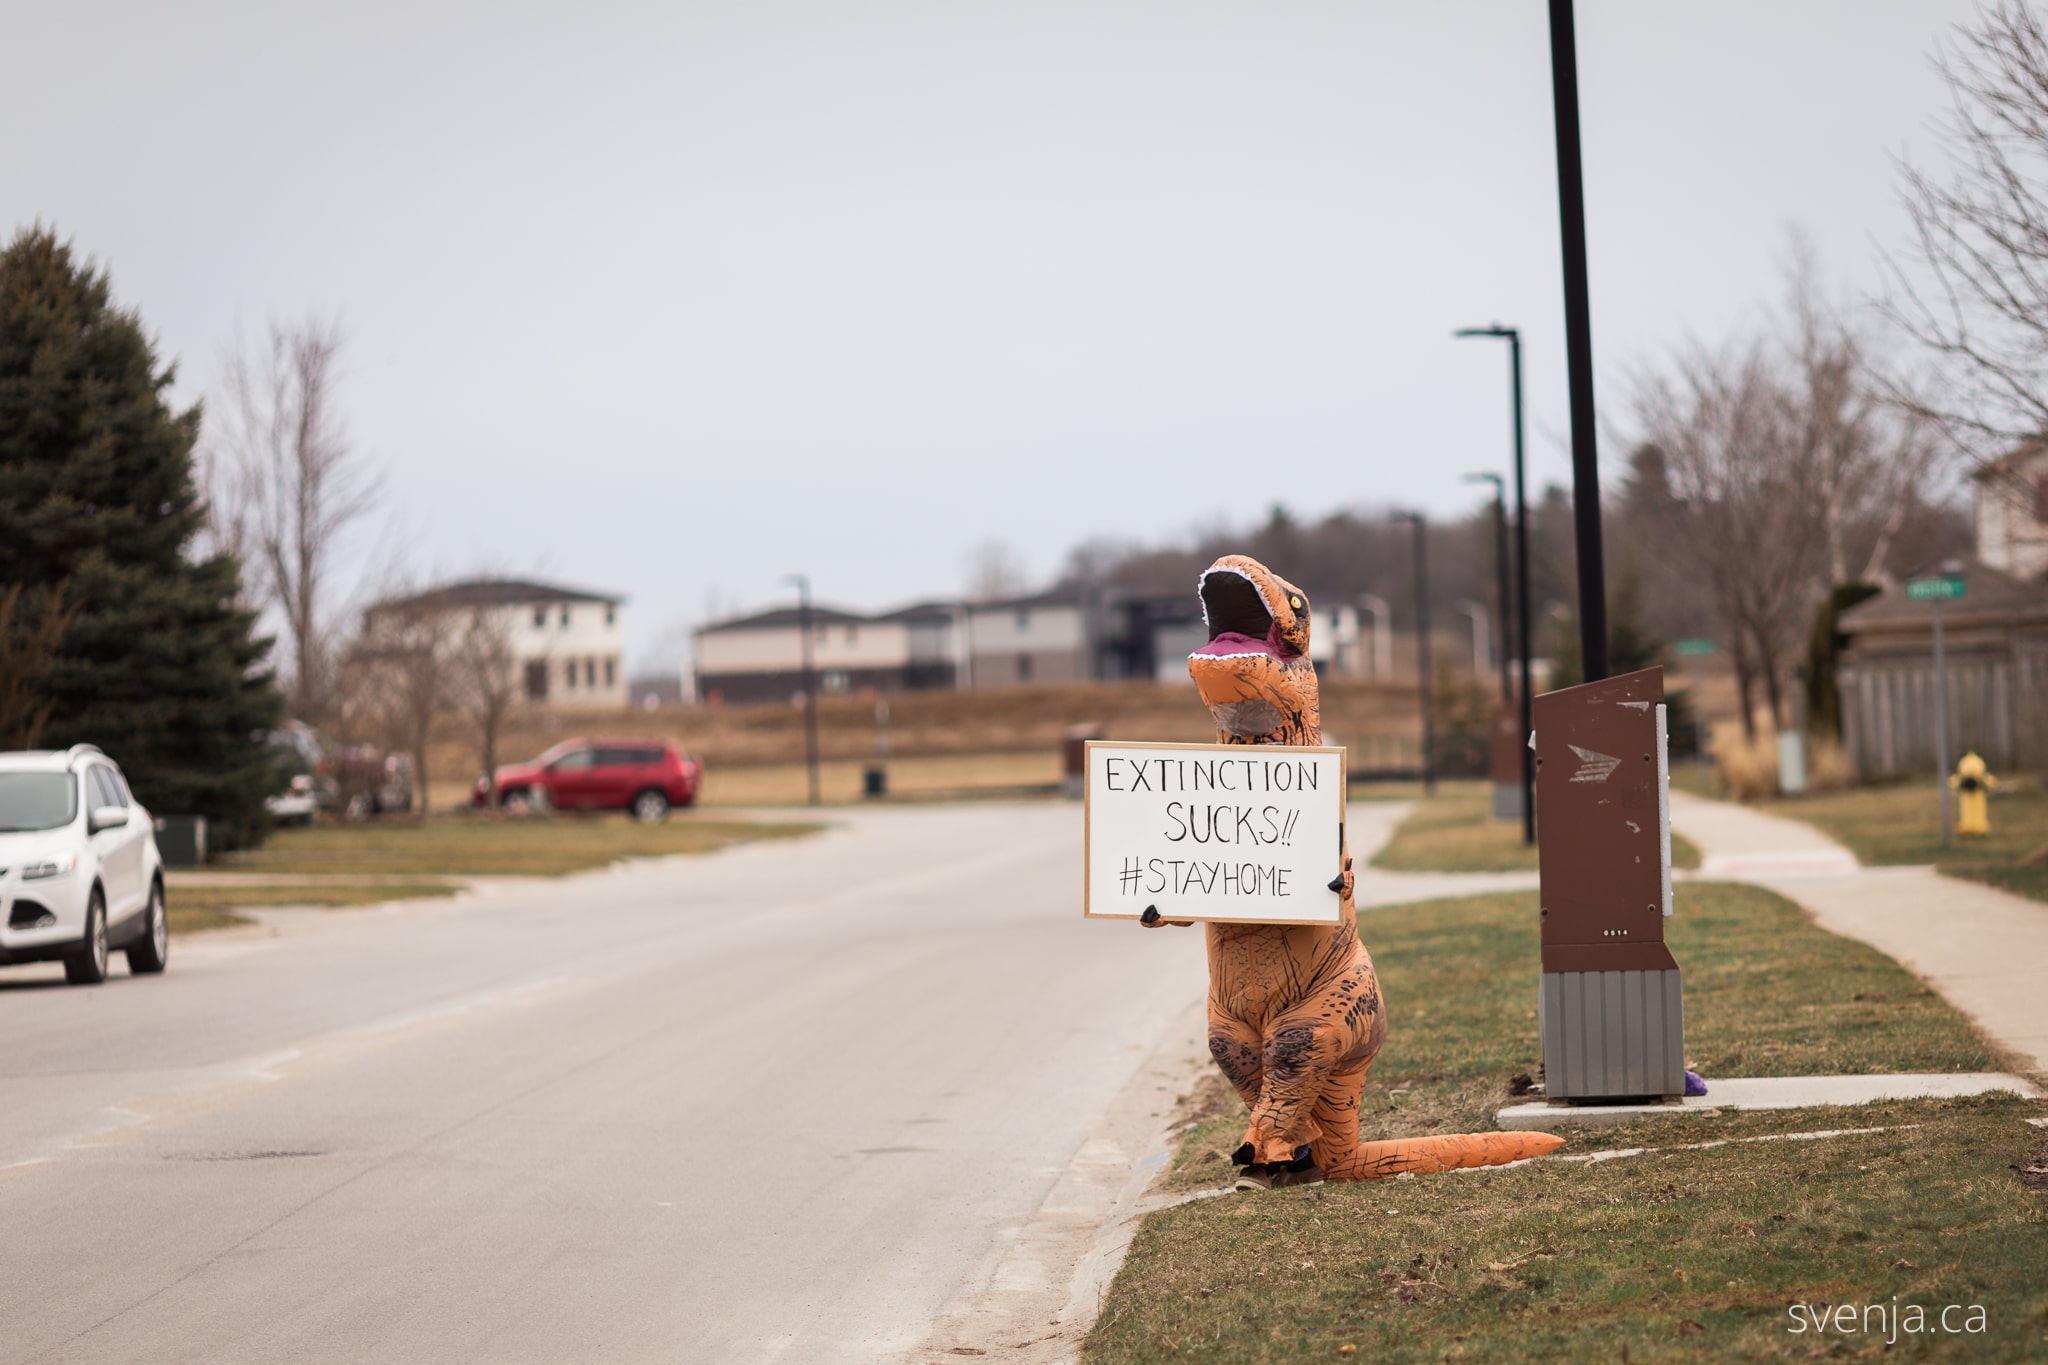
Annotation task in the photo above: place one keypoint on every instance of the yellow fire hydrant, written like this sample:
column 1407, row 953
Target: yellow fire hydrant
column 1972, row 786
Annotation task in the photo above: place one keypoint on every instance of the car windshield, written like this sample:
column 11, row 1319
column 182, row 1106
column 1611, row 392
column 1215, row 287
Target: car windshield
column 36, row 801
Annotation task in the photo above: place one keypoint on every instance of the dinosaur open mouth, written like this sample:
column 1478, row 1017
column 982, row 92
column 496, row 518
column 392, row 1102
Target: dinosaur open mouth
column 1238, row 621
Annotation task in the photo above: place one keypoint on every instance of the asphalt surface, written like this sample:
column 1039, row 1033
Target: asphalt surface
column 771, row 1104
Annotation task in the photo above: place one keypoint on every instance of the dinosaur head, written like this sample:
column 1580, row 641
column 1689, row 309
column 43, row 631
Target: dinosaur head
column 1254, row 675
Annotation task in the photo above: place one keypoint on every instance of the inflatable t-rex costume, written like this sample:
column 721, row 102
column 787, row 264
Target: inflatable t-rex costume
column 1295, row 1017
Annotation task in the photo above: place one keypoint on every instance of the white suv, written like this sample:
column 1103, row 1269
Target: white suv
column 79, row 870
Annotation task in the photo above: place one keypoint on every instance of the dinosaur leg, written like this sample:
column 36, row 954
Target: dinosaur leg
column 1236, row 1047
column 1316, row 1056
column 1299, row 1058
column 1336, row 1114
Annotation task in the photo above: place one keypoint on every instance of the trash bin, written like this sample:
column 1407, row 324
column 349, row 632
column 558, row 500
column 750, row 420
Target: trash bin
column 181, row 840
column 1074, row 754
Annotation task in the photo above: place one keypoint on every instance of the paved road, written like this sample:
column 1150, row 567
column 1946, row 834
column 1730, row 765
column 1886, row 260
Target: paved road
column 770, row 1104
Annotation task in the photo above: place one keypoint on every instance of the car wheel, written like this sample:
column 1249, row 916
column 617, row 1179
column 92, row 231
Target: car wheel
column 87, row 964
column 152, row 952
column 518, row 802
column 650, row 806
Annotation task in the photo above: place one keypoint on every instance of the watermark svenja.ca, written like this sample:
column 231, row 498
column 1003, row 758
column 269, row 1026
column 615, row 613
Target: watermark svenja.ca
column 1889, row 1320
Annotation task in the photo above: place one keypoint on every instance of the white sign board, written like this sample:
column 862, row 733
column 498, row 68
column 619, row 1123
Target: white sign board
column 1242, row 833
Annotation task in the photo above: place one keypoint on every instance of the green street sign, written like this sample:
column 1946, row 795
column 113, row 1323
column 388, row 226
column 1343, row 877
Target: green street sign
column 1933, row 589
column 1685, row 648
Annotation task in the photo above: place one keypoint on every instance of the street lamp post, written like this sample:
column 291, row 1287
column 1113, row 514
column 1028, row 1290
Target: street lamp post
column 1578, row 342
column 1422, row 647
column 1514, row 340
column 803, row 599
column 1500, row 561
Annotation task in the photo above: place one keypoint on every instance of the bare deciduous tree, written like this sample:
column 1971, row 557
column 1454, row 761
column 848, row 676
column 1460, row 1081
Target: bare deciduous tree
column 288, row 485
column 1782, row 468
column 1978, row 301
column 1746, row 516
column 994, row 571
column 485, row 680
column 399, row 674
column 1872, row 458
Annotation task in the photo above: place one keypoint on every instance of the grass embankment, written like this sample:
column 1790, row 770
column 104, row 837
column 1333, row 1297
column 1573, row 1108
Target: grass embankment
column 1454, row 831
column 953, row 742
column 387, row 860
column 1902, row 824
column 212, row 905
column 507, row 847
column 1671, row 1254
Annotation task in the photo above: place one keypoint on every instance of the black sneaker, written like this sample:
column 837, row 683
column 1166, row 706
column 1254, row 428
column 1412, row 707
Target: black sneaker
column 1281, row 1174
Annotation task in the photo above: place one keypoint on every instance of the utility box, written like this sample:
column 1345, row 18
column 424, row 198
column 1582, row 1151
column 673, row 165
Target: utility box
column 181, row 840
column 1611, row 1006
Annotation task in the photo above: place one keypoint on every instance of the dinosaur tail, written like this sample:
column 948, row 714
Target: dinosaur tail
column 1425, row 1156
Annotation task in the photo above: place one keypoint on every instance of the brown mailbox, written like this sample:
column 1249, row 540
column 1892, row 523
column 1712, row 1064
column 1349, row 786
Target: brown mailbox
column 1611, row 1005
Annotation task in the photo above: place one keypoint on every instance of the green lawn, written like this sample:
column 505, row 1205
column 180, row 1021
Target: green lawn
column 467, row 846
column 1454, row 831
column 1902, row 824
column 1672, row 1254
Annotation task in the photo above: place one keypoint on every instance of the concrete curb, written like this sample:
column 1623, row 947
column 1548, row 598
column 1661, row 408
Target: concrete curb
column 1771, row 1092
column 1035, row 1298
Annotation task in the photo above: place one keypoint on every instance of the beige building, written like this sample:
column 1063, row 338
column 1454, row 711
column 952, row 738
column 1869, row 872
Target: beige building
column 1039, row 639
column 568, row 646
column 2012, row 513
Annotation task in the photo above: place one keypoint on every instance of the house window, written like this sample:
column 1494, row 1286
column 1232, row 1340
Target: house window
column 569, row 676
column 1023, row 618
column 611, row 614
column 537, row 680
column 540, row 618
column 1023, row 668
column 611, row 671
column 852, row 634
column 565, row 618
column 590, row 672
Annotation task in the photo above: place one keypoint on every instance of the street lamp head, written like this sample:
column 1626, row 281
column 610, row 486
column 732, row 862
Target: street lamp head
column 1415, row 517
column 1486, row 477
column 1492, row 330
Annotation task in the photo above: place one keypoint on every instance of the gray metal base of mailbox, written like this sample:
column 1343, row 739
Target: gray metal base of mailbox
column 1612, row 1034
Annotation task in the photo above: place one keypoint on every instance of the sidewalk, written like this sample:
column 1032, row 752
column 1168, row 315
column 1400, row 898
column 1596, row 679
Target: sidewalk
column 1984, row 949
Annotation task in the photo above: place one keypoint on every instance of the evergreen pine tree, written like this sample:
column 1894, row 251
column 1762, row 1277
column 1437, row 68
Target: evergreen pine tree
column 158, row 664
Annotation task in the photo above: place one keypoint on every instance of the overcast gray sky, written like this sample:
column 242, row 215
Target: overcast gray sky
column 674, row 299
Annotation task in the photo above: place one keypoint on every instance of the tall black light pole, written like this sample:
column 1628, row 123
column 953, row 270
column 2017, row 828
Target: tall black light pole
column 1514, row 340
column 1422, row 647
column 1500, row 561
column 803, row 609
column 1578, row 342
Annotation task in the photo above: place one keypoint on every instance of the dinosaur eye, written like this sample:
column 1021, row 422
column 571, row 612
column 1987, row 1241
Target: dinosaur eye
column 1294, row 602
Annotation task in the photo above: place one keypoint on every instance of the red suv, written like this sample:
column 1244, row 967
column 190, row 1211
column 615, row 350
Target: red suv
column 644, row 776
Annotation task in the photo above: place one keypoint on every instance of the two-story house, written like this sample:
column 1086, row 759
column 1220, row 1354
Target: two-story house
column 567, row 646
